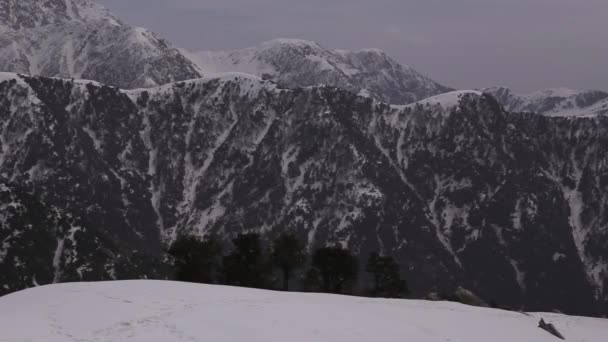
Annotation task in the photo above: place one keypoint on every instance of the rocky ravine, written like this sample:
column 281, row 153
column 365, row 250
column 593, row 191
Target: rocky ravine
column 94, row 178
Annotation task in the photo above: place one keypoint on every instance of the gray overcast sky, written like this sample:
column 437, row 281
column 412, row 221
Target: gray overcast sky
column 524, row 44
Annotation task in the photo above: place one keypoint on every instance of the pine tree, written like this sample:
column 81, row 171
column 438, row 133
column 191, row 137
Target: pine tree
column 247, row 265
column 336, row 267
column 386, row 277
column 288, row 255
column 196, row 260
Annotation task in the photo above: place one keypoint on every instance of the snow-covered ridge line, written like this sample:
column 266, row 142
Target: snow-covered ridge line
column 157, row 311
column 446, row 100
column 563, row 102
column 299, row 63
column 252, row 84
column 221, row 77
column 8, row 76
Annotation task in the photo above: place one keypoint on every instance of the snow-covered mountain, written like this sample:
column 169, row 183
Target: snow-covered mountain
column 81, row 39
column 152, row 311
column 554, row 102
column 511, row 206
column 299, row 63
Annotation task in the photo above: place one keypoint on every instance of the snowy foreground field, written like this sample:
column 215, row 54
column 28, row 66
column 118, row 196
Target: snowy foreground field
column 156, row 311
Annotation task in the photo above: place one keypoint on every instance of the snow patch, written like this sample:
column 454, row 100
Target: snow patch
column 558, row 256
column 519, row 275
column 447, row 100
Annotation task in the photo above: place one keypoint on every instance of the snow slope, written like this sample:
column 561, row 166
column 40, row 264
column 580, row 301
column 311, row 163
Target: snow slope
column 151, row 311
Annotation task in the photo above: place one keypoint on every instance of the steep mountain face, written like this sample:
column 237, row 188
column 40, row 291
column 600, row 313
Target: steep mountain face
column 298, row 63
column 71, row 209
column 512, row 206
column 554, row 102
column 80, row 39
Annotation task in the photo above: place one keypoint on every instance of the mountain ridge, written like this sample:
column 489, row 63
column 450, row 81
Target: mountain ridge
column 427, row 184
column 300, row 63
column 554, row 102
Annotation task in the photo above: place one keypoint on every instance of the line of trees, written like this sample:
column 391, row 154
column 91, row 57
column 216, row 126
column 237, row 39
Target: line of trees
column 248, row 263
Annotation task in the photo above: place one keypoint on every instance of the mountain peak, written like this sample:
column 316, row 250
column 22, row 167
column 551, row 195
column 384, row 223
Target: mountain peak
column 19, row 14
column 81, row 39
column 554, row 101
column 447, row 100
column 290, row 42
column 297, row 63
column 373, row 51
column 556, row 92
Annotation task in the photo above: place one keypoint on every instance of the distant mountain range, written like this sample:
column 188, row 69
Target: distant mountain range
column 80, row 39
column 95, row 180
column 298, row 63
column 554, row 102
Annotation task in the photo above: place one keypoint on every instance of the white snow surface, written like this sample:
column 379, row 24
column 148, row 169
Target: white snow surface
column 159, row 311
column 446, row 100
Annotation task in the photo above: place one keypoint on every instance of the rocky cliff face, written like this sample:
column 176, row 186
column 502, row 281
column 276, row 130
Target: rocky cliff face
column 80, row 39
column 512, row 206
column 72, row 209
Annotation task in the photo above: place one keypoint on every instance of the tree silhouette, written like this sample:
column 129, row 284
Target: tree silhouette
column 196, row 260
column 288, row 255
column 386, row 277
column 246, row 265
column 336, row 267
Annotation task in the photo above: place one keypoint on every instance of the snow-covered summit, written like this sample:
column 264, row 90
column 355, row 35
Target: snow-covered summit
column 156, row 311
column 554, row 102
column 196, row 156
column 250, row 85
column 81, row 39
column 26, row 14
column 301, row 63
column 290, row 42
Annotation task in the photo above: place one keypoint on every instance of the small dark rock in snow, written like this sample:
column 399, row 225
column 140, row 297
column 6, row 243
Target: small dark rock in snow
column 550, row 328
